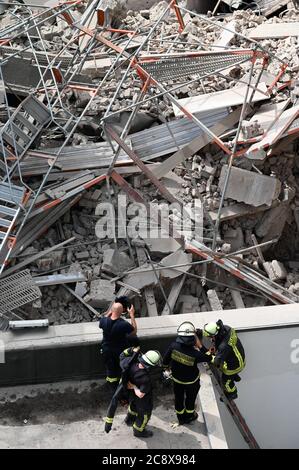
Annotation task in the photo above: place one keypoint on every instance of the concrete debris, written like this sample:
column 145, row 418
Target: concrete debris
column 110, row 137
column 214, row 300
column 275, row 270
column 274, row 31
column 249, row 187
column 101, row 293
column 116, row 262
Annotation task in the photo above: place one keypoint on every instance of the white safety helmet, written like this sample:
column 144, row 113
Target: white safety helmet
column 186, row 329
column 210, row 329
column 151, row 359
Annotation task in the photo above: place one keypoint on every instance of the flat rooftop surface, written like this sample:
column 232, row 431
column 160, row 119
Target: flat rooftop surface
column 70, row 415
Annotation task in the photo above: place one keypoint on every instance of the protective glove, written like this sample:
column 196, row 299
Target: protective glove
column 166, row 377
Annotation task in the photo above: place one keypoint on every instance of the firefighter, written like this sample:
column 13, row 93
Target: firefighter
column 230, row 355
column 141, row 395
column 182, row 357
column 117, row 333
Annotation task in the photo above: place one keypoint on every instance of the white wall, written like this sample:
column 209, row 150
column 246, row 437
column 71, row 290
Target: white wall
column 269, row 390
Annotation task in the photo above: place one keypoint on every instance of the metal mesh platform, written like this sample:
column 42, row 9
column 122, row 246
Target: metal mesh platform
column 17, row 290
column 174, row 67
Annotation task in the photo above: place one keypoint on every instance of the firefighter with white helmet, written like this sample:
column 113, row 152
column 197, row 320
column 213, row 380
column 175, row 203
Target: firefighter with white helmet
column 141, row 396
column 230, row 355
column 183, row 357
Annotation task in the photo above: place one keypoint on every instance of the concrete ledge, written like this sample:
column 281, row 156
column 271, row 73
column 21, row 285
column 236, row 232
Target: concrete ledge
column 210, row 412
column 67, row 352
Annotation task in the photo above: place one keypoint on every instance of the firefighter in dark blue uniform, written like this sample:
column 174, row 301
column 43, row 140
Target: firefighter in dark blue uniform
column 183, row 357
column 117, row 333
column 229, row 357
column 137, row 381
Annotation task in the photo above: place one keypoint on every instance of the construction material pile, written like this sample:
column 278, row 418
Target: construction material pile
column 151, row 153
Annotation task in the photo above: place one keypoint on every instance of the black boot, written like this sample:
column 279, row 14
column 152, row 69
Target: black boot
column 192, row 417
column 129, row 419
column 231, row 396
column 181, row 419
column 142, row 434
column 237, row 378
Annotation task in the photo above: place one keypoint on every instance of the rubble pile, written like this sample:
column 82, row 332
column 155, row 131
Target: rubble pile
column 108, row 115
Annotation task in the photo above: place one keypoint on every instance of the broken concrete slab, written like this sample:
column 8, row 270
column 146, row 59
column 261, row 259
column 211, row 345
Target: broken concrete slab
column 276, row 130
column 141, row 277
column 226, row 36
column 234, row 211
column 272, row 223
column 96, row 68
column 81, row 289
column 174, row 293
column 189, row 304
column 249, row 187
column 220, row 99
column 116, row 262
column 274, row 31
column 161, row 246
column 178, row 257
column 237, row 298
column 214, row 300
column 101, row 293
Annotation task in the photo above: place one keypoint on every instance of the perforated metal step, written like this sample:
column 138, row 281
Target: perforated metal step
column 182, row 66
column 17, row 290
column 21, row 130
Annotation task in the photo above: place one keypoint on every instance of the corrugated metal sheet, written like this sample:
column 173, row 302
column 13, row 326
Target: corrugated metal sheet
column 148, row 144
column 166, row 138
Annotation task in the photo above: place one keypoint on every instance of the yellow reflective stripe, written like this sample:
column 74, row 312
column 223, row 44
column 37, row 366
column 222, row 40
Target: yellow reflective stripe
column 109, row 420
column 180, row 412
column 228, row 388
column 232, row 338
column 238, row 354
column 112, row 379
column 232, row 371
column 190, row 411
column 131, row 412
column 127, row 352
column 145, row 420
column 182, row 358
column 185, row 383
column 233, row 343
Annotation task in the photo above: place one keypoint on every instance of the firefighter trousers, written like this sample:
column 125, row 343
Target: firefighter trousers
column 140, row 409
column 184, row 399
column 113, row 370
column 229, row 386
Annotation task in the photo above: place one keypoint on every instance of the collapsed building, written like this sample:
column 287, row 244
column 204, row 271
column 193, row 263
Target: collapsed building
column 151, row 153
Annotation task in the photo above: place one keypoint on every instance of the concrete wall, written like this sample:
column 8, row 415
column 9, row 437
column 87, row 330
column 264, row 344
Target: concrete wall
column 269, row 391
